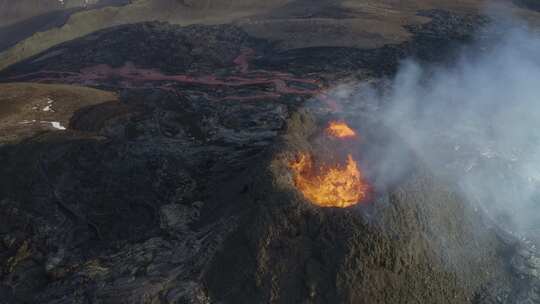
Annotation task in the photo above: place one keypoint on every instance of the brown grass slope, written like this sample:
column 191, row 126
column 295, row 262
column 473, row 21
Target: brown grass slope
column 27, row 108
column 292, row 23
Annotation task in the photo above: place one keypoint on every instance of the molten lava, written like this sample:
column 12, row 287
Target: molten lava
column 340, row 130
column 338, row 186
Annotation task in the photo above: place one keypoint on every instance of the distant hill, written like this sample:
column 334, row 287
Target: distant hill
column 13, row 11
column 36, row 25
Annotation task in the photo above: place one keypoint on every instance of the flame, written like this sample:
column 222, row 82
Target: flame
column 340, row 129
column 338, row 186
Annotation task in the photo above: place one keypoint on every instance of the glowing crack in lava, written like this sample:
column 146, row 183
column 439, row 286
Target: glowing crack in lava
column 242, row 77
column 340, row 130
column 329, row 186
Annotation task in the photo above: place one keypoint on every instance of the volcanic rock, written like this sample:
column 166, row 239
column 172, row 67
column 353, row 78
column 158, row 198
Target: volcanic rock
column 416, row 241
column 177, row 189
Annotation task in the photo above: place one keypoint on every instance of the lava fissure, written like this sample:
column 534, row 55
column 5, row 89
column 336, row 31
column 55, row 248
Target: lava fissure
column 130, row 76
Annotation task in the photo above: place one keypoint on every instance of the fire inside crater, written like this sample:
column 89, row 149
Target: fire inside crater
column 340, row 129
column 329, row 185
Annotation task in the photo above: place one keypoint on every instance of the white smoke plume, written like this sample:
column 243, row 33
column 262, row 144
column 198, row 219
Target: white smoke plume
column 475, row 122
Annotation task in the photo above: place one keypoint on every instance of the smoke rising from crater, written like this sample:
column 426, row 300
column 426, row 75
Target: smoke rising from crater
column 477, row 123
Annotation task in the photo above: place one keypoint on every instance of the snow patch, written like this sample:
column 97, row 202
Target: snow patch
column 48, row 107
column 55, row 124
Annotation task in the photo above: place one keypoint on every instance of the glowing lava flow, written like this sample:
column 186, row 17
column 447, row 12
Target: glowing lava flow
column 340, row 130
column 130, row 76
column 339, row 186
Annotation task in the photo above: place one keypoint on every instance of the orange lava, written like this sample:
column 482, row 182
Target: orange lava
column 340, row 129
column 337, row 186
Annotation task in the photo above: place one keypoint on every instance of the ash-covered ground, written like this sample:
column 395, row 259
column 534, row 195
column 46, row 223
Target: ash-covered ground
column 174, row 187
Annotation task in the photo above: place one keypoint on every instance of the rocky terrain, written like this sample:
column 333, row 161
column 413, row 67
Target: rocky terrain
column 148, row 163
column 289, row 23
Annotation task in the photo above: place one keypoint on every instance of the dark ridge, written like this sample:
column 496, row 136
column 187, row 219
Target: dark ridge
column 438, row 42
column 148, row 45
column 169, row 48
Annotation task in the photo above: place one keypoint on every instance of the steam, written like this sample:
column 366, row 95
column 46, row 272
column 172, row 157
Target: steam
column 477, row 123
